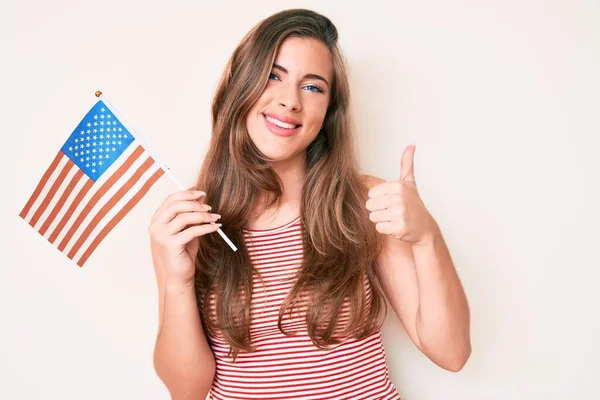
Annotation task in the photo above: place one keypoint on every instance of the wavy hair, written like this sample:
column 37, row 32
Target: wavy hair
column 340, row 243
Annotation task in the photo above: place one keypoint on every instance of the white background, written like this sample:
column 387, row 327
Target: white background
column 501, row 99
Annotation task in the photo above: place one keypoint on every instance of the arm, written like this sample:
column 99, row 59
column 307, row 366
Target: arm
column 417, row 273
column 424, row 290
column 183, row 359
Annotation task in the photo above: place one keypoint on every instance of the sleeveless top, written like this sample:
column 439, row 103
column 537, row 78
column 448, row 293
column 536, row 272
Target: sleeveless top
column 292, row 367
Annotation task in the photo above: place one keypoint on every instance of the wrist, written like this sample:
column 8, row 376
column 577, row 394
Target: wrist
column 430, row 237
column 177, row 286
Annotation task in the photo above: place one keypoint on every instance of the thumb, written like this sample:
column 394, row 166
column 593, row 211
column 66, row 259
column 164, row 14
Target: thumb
column 407, row 169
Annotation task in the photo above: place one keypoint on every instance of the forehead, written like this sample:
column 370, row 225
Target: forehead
column 301, row 55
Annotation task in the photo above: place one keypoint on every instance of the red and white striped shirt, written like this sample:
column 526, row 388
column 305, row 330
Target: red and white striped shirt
column 292, row 367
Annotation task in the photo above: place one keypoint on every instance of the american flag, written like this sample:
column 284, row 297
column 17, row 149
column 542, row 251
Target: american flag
column 100, row 173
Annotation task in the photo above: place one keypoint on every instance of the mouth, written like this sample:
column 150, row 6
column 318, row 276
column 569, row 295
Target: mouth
column 281, row 128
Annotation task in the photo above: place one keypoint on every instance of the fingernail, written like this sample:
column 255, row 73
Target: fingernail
column 199, row 192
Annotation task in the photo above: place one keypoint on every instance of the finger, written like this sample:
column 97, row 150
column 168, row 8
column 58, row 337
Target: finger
column 381, row 216
column 181, row 195
column 380, row 202
column 187, row 235
column 183, row 220
column 385, row 227
column 384, row 188
column 407, row 169
column 180, row 206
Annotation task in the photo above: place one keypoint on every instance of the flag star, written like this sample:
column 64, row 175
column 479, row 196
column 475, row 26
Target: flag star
column 76, row 140
column 93, row 164
column 102, row 109
column 119, row 136
column 87, row 152
column 101, row 136
column 106, row 156
column 108, row 116
column 120, row 129
column 87, row 165
column 95, row 117
column 114, row 129
column 76, row 154
column 94, row 171
column 71, row 148
column 94, row 150
column 100, row 149
column 101, row 129
column 94, row 144
column 88, row 131
column 125, row 136
column 114, row 122
column 102, row 116
column 101, row 122
column 101, row 143
column 100, row 163
column 95, row 130
column 119, row 142
column 87, row 138
column 95, row 124
column 114, row 142
column 107, row 149
column 89, row 124
column 76, row 147
column 95, row 137
column 81, row 159
column 82, row 132
column 93, row 157
column 114, row 136
column 87, row 145
column 114, row 149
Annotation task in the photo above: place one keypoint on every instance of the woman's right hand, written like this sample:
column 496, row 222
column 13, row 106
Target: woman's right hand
column 174, row 231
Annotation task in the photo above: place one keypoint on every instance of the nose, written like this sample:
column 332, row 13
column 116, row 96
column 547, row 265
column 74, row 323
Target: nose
column 289, row 98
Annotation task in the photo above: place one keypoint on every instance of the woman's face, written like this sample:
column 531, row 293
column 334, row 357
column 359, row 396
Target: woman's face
column 289, row 113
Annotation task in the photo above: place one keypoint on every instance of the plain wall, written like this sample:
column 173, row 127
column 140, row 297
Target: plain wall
column 501, row 99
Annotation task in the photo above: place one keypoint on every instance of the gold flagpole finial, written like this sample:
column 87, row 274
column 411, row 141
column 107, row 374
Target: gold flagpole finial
column 98, row 93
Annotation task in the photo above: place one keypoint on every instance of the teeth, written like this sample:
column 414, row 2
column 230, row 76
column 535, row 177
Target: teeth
column 280, row 123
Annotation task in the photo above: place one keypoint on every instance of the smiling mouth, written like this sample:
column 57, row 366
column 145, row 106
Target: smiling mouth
column 281, row 124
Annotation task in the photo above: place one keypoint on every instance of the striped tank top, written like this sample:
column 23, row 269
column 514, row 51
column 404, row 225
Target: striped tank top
column 292, row 367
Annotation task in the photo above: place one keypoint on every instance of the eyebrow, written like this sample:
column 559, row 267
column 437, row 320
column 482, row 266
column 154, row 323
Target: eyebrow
column 313, row 76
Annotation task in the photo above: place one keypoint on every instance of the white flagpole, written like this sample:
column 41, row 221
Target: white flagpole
column 163, row 166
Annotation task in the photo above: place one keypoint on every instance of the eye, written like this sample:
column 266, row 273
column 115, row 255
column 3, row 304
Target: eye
column 273, row 75
column 314, row 88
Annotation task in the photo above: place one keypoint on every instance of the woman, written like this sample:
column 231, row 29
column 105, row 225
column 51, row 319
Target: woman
column 296, row 311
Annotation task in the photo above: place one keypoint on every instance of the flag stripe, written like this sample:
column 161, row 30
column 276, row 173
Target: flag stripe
column 61, row 202
column 98, row 195
column 41, row 185
column 88, row 185
column 51, row 192
column 78, row 183
column 98, row 205
column 109, row 205
column 114, row 210
column 81, row 202
column 117, row 218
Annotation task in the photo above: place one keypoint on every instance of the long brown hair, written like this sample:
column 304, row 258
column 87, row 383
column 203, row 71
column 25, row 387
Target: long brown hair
column 340, row 243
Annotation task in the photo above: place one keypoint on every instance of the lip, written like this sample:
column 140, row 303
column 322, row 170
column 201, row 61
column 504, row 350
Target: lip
column 278, row 130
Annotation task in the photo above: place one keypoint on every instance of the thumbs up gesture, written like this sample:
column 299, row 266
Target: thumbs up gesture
column 397, row 208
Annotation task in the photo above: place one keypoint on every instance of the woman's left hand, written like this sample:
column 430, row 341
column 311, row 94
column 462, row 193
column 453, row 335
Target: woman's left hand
column 397, row 208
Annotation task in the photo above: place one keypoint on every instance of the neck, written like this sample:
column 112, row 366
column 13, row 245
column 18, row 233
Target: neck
column 292, row 174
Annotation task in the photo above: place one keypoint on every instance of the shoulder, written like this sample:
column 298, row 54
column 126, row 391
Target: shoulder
column 369, row 180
